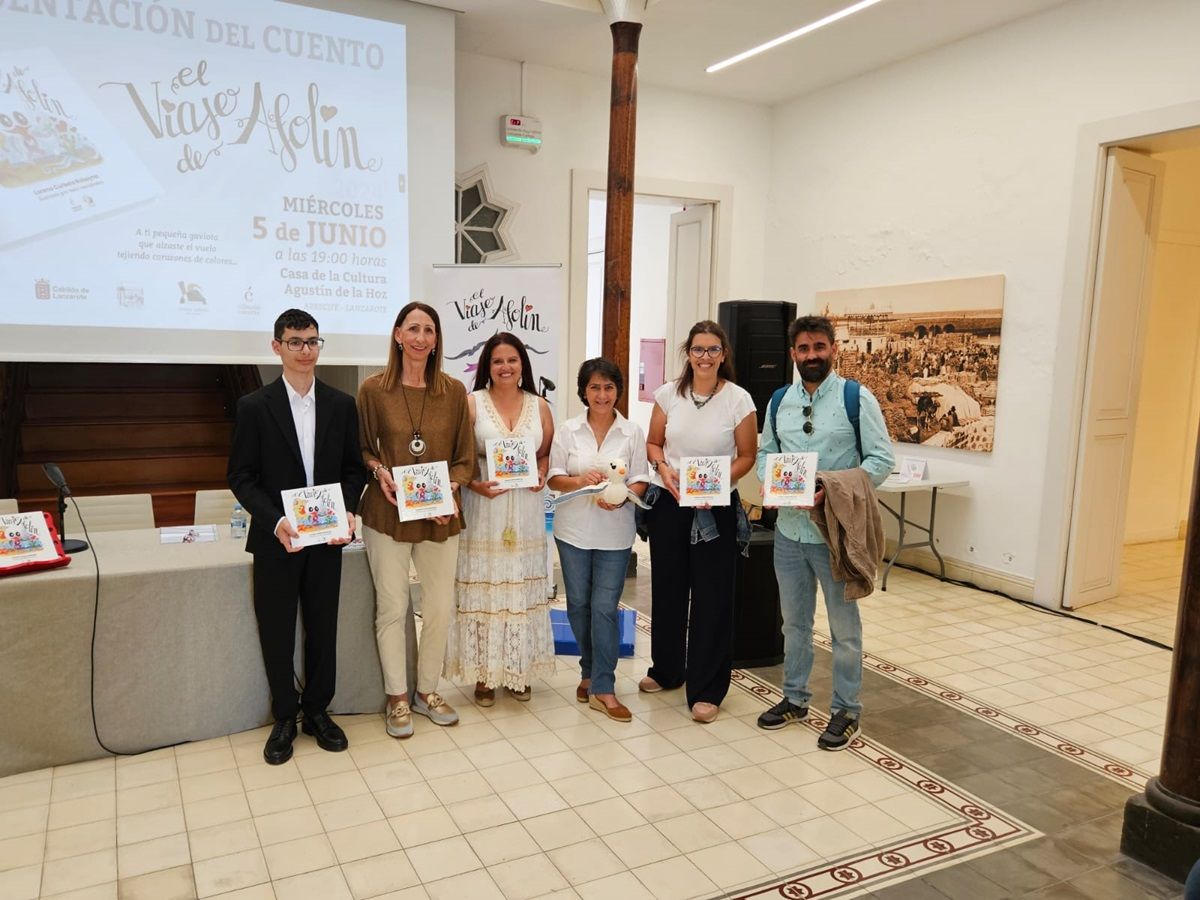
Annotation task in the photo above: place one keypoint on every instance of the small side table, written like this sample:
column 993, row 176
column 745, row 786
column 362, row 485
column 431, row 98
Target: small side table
column 904, row 489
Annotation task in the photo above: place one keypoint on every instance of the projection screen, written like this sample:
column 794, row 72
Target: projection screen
column 174, row 174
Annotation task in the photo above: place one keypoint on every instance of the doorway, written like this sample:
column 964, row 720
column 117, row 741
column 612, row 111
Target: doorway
column 1142, row 406
column 670, row 289
column 707, row 245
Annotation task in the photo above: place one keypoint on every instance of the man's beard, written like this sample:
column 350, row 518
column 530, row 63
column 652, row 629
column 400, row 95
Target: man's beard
column 814, row 370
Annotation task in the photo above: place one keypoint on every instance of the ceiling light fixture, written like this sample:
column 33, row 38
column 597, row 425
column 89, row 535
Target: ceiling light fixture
column 792, row 35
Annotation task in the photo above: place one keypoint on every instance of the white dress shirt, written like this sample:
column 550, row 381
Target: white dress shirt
column 304, row 414
column 580, row 522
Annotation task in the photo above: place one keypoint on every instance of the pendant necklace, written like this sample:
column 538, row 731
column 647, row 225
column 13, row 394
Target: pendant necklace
column 699, row 402
column 509, row 535
column 416, row 446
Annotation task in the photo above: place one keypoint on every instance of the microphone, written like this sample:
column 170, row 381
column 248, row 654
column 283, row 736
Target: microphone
column 57, row 478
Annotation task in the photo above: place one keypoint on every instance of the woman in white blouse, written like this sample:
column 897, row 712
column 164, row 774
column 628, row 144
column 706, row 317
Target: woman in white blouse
column 693, row 552
column 594, row 538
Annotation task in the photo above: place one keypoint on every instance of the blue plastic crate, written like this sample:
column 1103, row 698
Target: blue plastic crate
column 564, row 639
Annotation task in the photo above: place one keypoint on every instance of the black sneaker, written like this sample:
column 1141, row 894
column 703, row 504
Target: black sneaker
column 782, row 713
column 839, row 732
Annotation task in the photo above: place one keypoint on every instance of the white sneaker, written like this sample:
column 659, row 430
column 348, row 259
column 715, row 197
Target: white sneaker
column 438, row 710
column 399, row 721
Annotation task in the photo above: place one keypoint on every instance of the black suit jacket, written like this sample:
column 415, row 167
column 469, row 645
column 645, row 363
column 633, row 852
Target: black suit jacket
column 265, row 456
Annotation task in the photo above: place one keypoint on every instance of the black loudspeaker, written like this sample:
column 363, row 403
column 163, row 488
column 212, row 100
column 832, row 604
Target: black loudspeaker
column 757, row 621
column 757, row 332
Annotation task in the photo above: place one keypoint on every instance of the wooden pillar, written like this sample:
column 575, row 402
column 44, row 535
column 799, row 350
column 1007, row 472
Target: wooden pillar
column 618, row 227
column 1162, row 825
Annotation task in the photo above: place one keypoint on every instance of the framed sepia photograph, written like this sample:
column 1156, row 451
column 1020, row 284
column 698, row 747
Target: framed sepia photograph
column 930, row 352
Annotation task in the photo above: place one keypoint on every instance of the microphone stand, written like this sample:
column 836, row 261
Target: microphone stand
column 72, row 545
column 54, row 473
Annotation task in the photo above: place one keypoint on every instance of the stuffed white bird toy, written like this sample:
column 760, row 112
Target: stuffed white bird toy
column 614, row 491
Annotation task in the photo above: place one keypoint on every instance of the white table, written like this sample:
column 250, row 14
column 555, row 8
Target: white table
column 933, row 485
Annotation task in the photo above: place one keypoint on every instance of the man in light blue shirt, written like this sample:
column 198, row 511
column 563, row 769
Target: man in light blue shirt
column 812, row 418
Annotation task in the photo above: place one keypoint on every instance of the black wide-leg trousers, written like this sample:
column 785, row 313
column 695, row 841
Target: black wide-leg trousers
column 692, row 586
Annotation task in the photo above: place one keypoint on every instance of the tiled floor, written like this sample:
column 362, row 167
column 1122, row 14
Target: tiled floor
column 1149, row 601
column 961, row 786
column 1086, row 684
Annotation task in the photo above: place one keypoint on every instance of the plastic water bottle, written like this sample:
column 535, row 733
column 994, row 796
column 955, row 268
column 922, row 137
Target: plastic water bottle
column 237, row 521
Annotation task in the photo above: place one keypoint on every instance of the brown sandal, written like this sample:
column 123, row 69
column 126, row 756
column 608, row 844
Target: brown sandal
column 617, row 713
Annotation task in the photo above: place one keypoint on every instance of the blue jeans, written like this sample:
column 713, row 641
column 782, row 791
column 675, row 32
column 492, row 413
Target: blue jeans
column 594, row 580
column 1191, row 888
column 798, row 568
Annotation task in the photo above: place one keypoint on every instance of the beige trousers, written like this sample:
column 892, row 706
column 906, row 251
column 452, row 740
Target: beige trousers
column 435, row 563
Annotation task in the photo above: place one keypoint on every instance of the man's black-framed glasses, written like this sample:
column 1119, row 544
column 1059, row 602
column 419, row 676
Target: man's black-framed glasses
column 298, row 344
column 711, row 352
column 808, row 422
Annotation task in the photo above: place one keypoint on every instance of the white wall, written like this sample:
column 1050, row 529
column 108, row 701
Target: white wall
column 963, row 161
column 1165, row 440
column 680, row 136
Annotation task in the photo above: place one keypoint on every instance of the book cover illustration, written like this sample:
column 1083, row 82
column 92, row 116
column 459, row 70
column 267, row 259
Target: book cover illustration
column 704, row 481
column 24, row 538
column 423, row 490
column 61, row 161
column 37, row 146
column 317, row 513
column 791, row 479
column 512, row 462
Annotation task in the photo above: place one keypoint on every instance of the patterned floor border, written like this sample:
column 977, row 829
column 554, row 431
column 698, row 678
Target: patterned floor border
column 981, row 828
column 1114, row 769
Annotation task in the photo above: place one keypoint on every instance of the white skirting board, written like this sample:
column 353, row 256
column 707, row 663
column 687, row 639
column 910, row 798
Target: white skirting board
column 1013, row 585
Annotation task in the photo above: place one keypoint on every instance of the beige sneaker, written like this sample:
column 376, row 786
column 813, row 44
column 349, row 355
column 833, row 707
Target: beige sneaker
column 705, row 712
column 649, row 686
column 399, row 720
column 438, row 710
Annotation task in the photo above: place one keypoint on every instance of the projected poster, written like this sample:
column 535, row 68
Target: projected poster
column 201, row 164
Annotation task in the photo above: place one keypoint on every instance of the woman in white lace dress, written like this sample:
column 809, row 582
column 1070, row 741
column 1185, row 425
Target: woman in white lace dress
column 502, row 637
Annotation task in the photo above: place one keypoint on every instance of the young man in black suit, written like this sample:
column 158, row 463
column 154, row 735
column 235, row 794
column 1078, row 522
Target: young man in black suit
column 295, row 432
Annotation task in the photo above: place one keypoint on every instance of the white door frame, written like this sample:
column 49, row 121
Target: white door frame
column 583, row 181
column 1074, row 328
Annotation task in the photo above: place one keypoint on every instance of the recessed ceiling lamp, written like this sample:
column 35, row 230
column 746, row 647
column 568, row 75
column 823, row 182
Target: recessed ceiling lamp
column 792, row 35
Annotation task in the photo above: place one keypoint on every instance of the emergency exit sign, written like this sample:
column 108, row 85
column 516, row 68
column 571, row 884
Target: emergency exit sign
column 521, row 131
